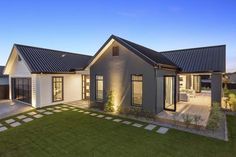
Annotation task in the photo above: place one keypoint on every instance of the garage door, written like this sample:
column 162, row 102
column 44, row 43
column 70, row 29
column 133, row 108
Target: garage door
column 21, row 89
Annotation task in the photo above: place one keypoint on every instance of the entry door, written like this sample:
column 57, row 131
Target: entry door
column 170, row 93
column 21, row 89
column 85, row 87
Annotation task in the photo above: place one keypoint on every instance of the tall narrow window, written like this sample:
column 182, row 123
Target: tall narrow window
column 137, row 89
column 57, row 89
column 115, row 51
column 99, row 87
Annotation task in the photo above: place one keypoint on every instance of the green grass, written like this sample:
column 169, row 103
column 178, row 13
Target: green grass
column 75, row 134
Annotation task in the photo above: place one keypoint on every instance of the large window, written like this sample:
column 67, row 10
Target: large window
column 21, row 89
column 99, row 87
column 57, row 89
column 137, row 89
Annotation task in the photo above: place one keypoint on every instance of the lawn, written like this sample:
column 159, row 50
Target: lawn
column 70, row 134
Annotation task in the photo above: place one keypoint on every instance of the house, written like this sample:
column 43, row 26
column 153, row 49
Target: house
column 138, row 77
column 4, row 84
column 230, row 80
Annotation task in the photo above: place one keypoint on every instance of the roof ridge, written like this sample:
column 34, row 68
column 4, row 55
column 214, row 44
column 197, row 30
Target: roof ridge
column 51, row 50
column 194, row 48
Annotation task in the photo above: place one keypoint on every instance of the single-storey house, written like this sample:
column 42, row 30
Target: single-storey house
column 138, row 77
column 4, row 84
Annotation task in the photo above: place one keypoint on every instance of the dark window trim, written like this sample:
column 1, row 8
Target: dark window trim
column 99, row 100
column 164, row 93
column 132, row 104
column 115, row 51
column 62, row 88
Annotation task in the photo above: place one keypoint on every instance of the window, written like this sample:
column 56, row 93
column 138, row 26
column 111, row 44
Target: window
column 115, row 51
column 99, row 88
column 57, row 89
column 137, row 89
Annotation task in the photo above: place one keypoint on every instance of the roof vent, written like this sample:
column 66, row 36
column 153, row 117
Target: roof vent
column 63, row 55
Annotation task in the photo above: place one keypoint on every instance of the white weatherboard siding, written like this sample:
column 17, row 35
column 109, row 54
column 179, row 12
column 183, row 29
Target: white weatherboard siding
column 16, row 68
column 72, row 88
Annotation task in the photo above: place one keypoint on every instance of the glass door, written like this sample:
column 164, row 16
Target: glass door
column 170, row 93
column 85, row 87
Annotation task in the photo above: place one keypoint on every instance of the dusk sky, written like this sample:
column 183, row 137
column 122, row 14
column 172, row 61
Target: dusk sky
column 83, row 26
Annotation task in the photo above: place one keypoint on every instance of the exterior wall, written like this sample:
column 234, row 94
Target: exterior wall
column 216, row 87
column 4, row 80
column 160, row 88
column 117, row 70
column 42, row 83
column 17, row 69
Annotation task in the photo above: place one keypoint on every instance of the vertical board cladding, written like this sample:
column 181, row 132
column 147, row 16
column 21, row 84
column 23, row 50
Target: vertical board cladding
column 160, row 87
column 117, row 71
column 216, row 87
column 72, row 87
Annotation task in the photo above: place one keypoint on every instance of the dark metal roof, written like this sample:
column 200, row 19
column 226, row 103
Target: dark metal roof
column 1, row 71
column 147, row 54
column 41, row 60
column 202, row 59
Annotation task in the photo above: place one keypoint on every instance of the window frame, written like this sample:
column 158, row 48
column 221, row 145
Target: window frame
column 132, row 101
column 62, row 82
column 115, row 51
column 96, row 99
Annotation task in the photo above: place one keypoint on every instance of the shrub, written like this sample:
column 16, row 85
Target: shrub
column 109, row 106
column 197, row 119
column 215, row 117
column 187, row 118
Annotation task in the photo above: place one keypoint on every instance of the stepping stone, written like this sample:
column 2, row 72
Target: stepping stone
column 3, row 128
column 86, row 112
column 0, row 124
column 127, row 122
column 75, row 110
column 15, row 124
column 117, row 120
column 150, row 127
column 65, row 106
column 93, row 114
column 57, row 111
column 80, row 111
column 9, row 121
column 108, row 118
column 71, row 107
column 32, row 113
column 41, row 110
column 137, row 125
column 48, row 113
column 162, row 130
column 50, row 109
column 65, row 109
column 21, row 117
column 38, row 116
column 58, row 107
column 27, row 120
column 100, row 116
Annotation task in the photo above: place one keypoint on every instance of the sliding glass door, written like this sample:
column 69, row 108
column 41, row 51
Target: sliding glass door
column 170, row 93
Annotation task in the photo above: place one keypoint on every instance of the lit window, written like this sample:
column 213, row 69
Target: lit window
column 137, row 89
column 99, row 87
column 115, row 51
column 57, row 89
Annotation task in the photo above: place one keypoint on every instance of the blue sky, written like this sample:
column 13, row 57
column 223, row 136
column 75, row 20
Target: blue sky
column 83, row 26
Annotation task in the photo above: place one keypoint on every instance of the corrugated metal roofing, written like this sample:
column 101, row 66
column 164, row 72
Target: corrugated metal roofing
column 41, row 60
column 157, row 58
column 203, row 59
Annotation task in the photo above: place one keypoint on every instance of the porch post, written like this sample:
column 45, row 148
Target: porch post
column 216, row 87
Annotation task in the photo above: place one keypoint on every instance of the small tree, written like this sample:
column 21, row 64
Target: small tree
column 109, row 106
column 187, row 118
column 197, row 119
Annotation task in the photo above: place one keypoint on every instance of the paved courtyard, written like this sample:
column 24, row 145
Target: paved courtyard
column 9, row 108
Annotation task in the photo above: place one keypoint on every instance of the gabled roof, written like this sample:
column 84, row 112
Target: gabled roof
column 42, row 60
column 150, row 56
column 202, row 59
column 1, row 71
